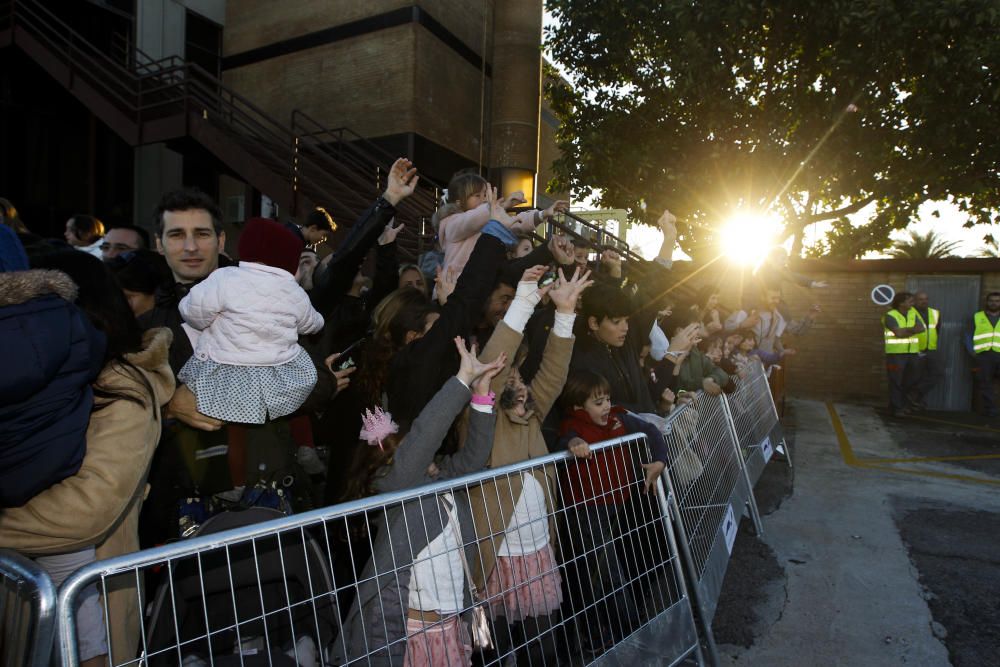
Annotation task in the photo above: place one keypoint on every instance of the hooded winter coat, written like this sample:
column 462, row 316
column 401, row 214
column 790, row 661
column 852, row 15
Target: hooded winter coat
column 100, row 503
column 50, row 354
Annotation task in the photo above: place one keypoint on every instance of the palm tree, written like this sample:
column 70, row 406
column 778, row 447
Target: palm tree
column 923, row 246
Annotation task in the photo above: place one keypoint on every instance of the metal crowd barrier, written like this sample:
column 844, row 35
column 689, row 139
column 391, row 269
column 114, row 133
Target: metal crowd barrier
column 27, row 612
column 756, row 420
column 709, row 488
column 607, row 587
column 614, row 589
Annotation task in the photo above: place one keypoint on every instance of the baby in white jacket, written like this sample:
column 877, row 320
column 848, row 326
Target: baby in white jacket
column 244, row 322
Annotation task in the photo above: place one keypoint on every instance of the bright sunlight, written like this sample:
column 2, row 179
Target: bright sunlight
column 748, row 237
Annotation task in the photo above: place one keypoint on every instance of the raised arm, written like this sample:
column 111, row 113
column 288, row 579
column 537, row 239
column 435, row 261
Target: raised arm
column 459, row 226
column 551, row 376
column 417, row 450
column 475, row 452
column 334, row 275
column 510, row 331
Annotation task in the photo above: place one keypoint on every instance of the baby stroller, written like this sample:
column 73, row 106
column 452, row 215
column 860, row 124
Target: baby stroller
column 268, row 601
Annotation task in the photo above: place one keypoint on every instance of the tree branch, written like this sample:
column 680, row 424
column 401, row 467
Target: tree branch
column 840, row 212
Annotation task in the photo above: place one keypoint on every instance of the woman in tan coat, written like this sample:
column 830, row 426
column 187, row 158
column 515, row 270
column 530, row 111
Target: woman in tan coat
column 99, row 505
column 513, row 514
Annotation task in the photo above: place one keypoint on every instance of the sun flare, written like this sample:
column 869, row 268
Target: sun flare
column 747, row 238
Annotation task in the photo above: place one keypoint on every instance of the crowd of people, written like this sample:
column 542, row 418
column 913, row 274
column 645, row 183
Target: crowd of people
column 150, row 386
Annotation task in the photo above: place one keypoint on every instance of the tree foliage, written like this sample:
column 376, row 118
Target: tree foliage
column 923, row 246
column 809, row 109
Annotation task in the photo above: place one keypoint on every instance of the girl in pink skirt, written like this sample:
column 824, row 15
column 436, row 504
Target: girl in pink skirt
column 513, row 514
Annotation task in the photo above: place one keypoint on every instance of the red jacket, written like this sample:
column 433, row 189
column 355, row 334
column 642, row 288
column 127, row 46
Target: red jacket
column 605, row 477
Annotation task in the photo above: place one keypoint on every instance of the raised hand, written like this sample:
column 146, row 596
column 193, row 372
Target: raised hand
column 567, row 292
column 497, row 211
column 668, row 223
column 402, row 181
column 653, row 472
column 390, row 233
column 686, row 338
column 562, row 249
column 445, row 283
column 532, row 274
column 559, row 206
column 472, row 372
column 515, row 198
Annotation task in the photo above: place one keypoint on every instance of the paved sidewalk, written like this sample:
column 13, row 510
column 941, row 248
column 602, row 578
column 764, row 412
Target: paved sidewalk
column 850, row 594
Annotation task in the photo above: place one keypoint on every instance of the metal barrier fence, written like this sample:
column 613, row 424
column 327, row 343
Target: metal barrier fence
column 575, row 563
column 27, row 612
column 756, row 420
column 610, row 585
column 709, row 487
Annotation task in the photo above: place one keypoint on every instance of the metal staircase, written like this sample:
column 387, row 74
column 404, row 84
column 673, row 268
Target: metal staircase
column 144, row 101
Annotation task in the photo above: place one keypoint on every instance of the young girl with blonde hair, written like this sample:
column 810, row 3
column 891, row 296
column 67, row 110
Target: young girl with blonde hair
column 466, row 211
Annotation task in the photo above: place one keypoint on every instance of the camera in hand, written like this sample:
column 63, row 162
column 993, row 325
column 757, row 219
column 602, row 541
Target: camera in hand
column 548, row 278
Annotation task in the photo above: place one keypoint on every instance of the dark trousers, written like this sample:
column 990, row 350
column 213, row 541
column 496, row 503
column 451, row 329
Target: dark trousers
column 987, row 367
column 929, row 371
column 899, row 368
column 535, row 641
column 597, row 573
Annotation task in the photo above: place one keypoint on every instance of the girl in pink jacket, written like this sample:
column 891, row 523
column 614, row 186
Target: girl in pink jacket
column 244, row 322
column 460, row 220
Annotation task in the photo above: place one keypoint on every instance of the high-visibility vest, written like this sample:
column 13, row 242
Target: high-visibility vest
column 986, row 337
column 901, row 344
column 927, row 339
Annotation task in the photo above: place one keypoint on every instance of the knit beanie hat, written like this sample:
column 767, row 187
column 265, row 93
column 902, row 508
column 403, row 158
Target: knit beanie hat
column 270, row 242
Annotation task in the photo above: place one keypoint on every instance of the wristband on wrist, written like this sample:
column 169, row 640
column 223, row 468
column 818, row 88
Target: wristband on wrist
column 489, row 399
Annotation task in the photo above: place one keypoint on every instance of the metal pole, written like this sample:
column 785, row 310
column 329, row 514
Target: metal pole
column 774, row 409
column 703, row 616
column 668, row 525
column 751, row 501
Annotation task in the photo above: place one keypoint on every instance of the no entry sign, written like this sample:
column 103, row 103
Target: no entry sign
column 882, row 295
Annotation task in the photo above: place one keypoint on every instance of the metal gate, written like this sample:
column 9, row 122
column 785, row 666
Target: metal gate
column 957, row 297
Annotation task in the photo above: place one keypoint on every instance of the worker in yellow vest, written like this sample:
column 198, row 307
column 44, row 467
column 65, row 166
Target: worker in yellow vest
column 929, row 368
column 901, row 348
column 983, row 343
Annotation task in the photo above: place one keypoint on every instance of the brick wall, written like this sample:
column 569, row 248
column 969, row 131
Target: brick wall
column 842, row 357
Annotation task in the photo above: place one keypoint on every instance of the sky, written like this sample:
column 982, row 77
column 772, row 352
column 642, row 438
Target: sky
column 646, row 240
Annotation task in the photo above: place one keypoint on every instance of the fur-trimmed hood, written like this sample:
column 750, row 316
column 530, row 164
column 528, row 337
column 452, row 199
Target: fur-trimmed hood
column 19, row 287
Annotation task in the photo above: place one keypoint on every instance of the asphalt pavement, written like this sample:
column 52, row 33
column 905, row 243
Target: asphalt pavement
column 880, row 547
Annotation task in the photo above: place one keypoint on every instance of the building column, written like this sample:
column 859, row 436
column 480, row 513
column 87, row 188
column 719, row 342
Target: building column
column 517, row 86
